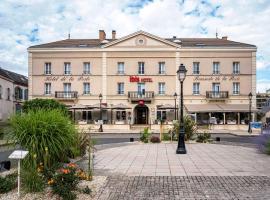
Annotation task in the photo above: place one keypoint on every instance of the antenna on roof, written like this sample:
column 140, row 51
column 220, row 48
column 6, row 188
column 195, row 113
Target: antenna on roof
column 216, row 33
column 69, row 33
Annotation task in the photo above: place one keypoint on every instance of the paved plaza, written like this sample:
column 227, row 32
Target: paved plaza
column 201, row 160
column 207, row 171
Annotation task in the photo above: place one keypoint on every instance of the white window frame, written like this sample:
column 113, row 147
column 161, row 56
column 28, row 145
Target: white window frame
column 120, row 68
column 67, row 68
column 161, row 88
column 8, row 94
column 196, row 68
column 86, row 88
column 216, row 67
column 47, row 88
column 196, row 89
column 48, row 68
column 236, row 67
column 236, row 88
column 86, row 68
column 161, row 68
column 141, row 68
column 120, row 88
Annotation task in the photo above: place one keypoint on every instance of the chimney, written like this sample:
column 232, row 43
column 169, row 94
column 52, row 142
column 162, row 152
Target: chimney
column 113, row 34
column 102, row 35
column 224, row 37
column 174, row 37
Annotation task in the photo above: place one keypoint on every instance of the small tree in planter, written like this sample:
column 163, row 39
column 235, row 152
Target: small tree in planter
column 190, row 128
column 145, row 135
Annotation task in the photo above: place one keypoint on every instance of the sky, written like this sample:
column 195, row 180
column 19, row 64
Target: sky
column 29, row 22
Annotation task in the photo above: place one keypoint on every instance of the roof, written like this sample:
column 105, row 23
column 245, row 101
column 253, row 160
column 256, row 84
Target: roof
column 16, row 78
column 184, row 42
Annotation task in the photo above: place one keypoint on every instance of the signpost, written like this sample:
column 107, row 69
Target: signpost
column 19, row 155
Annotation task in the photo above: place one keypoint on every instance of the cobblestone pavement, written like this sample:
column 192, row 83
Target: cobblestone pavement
column 186, row 187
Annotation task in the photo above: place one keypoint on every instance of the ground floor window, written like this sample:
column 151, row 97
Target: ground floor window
column 161, row 115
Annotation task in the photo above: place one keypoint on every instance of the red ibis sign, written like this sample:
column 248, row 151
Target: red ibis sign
column 141, row 102
column 138, row 79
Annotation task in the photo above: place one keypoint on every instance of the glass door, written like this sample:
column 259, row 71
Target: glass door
column 67, row 90
column 141, row 89
column 216, row 89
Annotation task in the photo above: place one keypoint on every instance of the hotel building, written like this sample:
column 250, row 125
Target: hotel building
column 136, row 76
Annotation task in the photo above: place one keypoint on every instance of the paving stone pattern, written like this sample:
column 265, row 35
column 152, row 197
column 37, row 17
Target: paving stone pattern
column 186, row 187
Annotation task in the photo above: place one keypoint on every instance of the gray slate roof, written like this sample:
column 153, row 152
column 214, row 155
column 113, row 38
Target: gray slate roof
column 185, row 42
column 16, row 78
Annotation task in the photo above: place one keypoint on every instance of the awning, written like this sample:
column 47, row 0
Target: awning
column 201, row 108
column 78, row 106
column 166, row 106
column 97, row 106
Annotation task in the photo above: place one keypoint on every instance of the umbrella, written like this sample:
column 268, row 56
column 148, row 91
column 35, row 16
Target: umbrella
column 120, row 106
column 166, row 106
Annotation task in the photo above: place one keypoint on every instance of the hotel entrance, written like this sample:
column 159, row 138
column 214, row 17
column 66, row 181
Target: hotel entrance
column 141, row 113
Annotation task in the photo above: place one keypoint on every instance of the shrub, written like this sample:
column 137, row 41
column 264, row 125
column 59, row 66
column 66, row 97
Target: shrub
column 86, row 190
column 46, row 134
column 145, row 135
column 8, row 183
column 65, row 181
column 32, row 181
column 166, row 137
column 190, row 128
column 263, row 143
column 155, row 139
column 203, row 137
column 46, row 104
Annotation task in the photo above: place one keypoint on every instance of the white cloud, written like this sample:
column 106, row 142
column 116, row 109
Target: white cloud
column 263, row 85
column 244, row 21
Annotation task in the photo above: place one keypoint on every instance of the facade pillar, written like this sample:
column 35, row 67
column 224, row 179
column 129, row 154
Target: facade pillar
column 196, row 118
column 224, row 118
column 104, row 77
column 252, row 117
column 238, row 118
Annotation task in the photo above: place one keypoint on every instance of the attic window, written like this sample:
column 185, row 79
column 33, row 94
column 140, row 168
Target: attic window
column 140, row 41
column 82, row 45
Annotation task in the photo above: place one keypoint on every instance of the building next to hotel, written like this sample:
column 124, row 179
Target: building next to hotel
column 136, row 77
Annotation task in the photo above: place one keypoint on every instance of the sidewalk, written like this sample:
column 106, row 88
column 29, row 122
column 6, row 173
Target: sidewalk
column 232, row 132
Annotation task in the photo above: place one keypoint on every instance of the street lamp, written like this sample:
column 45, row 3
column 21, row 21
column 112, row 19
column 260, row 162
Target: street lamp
column 100, row 113
column 175, row 97
column 249, row 114
column 181, row 148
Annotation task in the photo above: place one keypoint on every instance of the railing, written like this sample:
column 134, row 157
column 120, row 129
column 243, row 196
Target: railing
column 141, row 95
column 217, row 95
column 66, row 95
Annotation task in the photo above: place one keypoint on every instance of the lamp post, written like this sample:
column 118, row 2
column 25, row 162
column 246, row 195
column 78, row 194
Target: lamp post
column 175, row 113
column 100, row 113
column 249, row 114
column 181, row 148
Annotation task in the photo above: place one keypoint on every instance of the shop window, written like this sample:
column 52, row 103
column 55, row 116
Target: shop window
column 161, row 115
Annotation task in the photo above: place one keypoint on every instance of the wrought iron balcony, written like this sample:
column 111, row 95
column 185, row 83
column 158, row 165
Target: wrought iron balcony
column 66, row 95
column 217, row 94
column 134, row 96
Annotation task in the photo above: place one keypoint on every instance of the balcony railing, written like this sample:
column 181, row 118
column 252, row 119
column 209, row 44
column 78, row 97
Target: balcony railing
column 217, row 95
column 141, row 95
column 66, row 95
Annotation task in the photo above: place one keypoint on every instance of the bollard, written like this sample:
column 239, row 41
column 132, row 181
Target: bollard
column 131, row 139
column 218, row 139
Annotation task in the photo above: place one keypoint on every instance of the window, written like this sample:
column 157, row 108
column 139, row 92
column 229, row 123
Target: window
column 161, row 88
column 141, row 68
column 120, row 67
column 236, row 88
column 26, row 94
column 161, row 115
column 216, row 68
column 196, row 68
column 86, row 88
column 67, row 69
column 0, row 91
column 161, row 67
column 120, row 88
column 48, row 68
column 236, row 67
column 86, row 68
column 47, row 89
column 196, row 88
column 86, row 115
column 8, row 93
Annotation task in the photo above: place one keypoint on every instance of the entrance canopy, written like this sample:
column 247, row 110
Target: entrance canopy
column 120, row 106
column 166, row 106
column 200, row 108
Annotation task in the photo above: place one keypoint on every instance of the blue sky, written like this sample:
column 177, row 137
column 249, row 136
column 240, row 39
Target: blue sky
column 30, row 22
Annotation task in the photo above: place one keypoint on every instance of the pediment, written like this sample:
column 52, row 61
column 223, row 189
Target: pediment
column 141, row 40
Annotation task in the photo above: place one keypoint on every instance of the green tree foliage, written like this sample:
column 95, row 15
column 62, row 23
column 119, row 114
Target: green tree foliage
column 46, row 134
column 190, row 128
column 46, row 104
